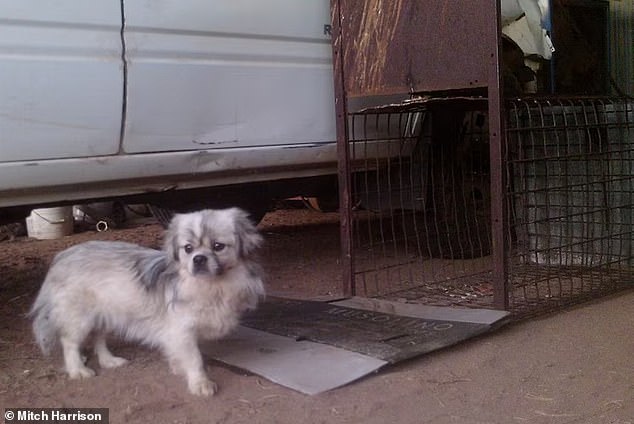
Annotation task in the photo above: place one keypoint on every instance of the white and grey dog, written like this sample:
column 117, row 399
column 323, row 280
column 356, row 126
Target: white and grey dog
column 197, row 287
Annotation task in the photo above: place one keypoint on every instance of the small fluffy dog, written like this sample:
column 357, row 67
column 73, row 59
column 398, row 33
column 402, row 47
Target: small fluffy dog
column 197, row 287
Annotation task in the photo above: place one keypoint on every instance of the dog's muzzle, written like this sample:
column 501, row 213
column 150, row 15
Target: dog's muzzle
column 200, row 263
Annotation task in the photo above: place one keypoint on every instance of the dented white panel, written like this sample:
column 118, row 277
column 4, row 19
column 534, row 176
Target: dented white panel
column 216, row 74
column 61, row 79
column 218, row 92
column 134, row 174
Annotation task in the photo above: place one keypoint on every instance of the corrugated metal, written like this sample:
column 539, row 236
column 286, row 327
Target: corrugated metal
column 622, row 44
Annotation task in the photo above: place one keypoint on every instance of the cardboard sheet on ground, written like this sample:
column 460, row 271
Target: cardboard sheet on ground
column 313, row 347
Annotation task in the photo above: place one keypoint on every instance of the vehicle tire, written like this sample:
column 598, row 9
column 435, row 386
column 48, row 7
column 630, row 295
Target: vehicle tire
column 162, row 215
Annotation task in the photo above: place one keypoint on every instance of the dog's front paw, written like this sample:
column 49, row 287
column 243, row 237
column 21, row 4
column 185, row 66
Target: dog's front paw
column 80, row 372
column 112, row 362
column 202, row 387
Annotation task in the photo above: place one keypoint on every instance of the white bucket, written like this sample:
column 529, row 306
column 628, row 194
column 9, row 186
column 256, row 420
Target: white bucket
column 50, row 223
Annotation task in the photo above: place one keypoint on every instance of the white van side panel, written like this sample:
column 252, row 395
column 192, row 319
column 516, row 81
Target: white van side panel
column 61, row 79
column 227, row 74
column 86, row 178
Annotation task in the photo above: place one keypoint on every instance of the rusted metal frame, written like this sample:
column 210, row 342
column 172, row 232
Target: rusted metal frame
column 497, row 153
column 343, row 152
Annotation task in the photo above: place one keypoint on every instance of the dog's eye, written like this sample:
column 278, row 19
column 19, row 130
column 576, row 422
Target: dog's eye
column 219, row 247
column 188, row 248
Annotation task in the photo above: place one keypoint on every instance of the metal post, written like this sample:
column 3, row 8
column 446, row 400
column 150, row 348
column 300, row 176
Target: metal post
column 497, row 140
column 343, row 152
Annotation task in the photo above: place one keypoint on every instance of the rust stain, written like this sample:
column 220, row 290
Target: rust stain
column 400, row 46
column 378, row 25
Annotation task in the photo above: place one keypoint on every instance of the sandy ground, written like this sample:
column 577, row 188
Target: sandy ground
column 572, row 367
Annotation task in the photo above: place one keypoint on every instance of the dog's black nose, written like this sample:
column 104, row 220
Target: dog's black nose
column 200, row 260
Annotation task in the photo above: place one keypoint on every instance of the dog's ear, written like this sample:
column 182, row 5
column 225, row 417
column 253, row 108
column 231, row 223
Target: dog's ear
column 170, row 244
column 248, row 236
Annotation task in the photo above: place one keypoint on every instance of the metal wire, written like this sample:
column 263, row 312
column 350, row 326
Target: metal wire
column 421, row 180
column 423, row 199
column 570, row 171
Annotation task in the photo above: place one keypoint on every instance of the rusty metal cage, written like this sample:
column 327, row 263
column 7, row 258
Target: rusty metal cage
column 422, row 228
column 452, row 199
column 570, row 197
column 422, row 222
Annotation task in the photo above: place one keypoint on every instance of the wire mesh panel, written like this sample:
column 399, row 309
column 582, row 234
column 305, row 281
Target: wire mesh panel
column 570, row 172
column 422, row 222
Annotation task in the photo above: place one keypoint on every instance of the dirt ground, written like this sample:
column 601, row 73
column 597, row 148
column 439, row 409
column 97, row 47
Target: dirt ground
column 571, row 367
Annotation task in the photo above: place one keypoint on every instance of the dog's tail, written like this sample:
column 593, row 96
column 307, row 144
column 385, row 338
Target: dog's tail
column 43, row 327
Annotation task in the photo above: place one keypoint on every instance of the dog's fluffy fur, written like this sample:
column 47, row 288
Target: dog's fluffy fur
column 195, row 288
